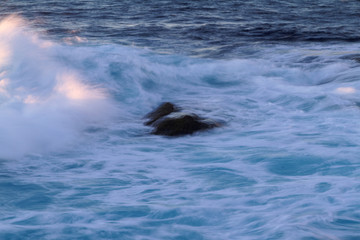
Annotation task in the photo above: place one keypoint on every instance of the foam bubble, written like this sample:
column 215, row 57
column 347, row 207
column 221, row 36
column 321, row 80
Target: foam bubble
column 345, row 90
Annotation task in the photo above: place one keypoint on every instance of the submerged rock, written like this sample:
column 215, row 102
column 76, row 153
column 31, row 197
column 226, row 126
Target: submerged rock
column 167, row 121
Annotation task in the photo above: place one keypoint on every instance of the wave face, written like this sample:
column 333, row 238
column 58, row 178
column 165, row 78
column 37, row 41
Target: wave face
column 78, row 163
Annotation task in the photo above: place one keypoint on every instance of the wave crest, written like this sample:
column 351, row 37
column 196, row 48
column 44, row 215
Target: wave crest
column 44, row 105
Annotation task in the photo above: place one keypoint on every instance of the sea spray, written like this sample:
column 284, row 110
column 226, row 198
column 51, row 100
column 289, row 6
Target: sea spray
column 44, row 105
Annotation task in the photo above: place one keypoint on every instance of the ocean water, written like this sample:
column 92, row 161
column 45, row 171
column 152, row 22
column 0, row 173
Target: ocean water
column 77, row 78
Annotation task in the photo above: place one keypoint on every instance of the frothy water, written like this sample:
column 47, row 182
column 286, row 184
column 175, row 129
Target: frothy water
column 77, row 162
column 44, row 102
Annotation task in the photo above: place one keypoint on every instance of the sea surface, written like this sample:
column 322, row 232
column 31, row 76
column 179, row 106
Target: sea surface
column 78, row 77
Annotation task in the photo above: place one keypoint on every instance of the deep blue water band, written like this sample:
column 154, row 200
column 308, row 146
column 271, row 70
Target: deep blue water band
column 206, row 28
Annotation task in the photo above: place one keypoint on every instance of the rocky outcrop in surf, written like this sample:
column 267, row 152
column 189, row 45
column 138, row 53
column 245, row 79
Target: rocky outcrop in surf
column 168, row 120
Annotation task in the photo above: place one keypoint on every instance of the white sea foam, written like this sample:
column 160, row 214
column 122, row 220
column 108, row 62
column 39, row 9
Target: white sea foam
column 44, row 104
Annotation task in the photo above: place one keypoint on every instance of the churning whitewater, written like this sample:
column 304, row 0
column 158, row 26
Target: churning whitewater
column 44, row 102
column 77, row 162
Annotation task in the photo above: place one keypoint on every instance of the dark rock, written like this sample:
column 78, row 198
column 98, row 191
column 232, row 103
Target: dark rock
column 186, row 124
column 167, row 122
column 161, row 111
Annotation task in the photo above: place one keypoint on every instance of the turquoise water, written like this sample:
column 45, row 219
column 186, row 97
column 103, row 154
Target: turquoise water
column 78, row 163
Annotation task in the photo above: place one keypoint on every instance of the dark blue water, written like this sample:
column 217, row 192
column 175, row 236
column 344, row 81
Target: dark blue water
column 198, row 28
column 77, row 78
